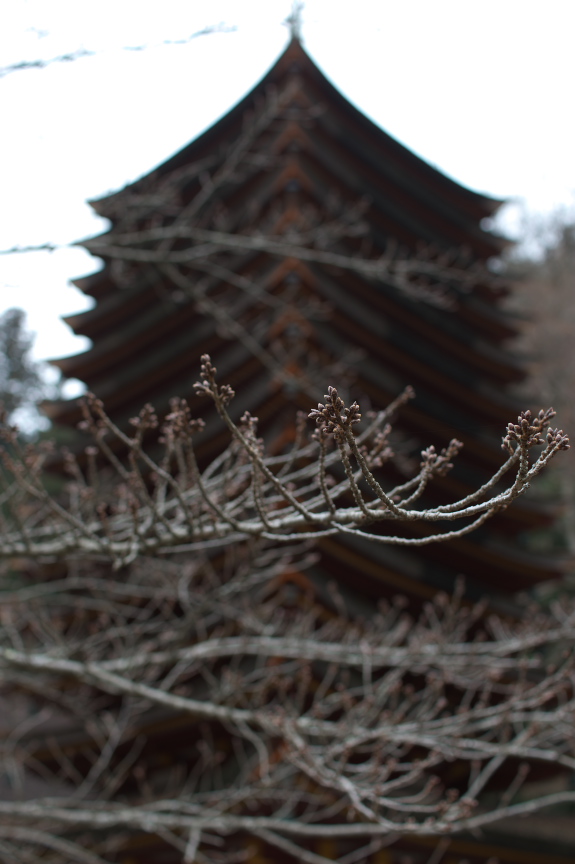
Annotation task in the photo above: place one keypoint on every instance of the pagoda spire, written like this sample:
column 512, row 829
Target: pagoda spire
column 294, row 20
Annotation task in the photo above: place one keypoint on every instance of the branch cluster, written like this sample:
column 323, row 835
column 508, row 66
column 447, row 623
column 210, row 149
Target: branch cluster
column 162, row 504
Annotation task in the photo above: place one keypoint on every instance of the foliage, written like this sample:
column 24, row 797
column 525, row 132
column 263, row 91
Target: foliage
column 20, row 380
column 546, row 299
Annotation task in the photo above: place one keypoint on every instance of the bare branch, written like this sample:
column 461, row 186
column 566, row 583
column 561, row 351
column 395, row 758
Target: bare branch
column 189, row 511
column 80, row 53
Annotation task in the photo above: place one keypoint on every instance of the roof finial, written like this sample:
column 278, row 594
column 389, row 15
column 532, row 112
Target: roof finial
column 294, row 20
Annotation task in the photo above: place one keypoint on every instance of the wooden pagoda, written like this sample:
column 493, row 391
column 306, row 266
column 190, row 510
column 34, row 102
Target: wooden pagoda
column 300, row 245
column 282, row 320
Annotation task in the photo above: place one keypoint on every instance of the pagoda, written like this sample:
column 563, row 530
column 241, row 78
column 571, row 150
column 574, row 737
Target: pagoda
column 301, row 246
column 307, row 248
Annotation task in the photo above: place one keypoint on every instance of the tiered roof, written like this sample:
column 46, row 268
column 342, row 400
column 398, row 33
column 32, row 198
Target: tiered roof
column 291, row 157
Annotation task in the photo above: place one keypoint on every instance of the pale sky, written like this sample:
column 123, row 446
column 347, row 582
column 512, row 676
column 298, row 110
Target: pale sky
column 482, row 89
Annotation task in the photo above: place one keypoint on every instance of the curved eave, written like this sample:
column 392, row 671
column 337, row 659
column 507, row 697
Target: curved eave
column 165, row 368
column 137, row 324
column 121, row 307
column 476, row 205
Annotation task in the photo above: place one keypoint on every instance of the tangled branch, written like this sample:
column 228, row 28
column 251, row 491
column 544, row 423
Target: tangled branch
column 334, row 727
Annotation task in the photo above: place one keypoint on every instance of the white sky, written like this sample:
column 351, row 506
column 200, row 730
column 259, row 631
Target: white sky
column 482, row 89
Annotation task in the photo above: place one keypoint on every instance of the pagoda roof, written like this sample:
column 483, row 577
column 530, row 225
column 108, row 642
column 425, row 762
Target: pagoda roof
column 410, row 184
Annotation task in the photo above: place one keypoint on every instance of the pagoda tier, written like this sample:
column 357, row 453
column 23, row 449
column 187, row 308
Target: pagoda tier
column 300, row 245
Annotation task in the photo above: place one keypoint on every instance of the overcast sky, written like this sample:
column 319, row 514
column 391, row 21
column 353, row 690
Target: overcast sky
column 482, row 89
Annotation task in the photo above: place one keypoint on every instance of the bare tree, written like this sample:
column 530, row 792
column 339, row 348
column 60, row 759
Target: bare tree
column 297, row 720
